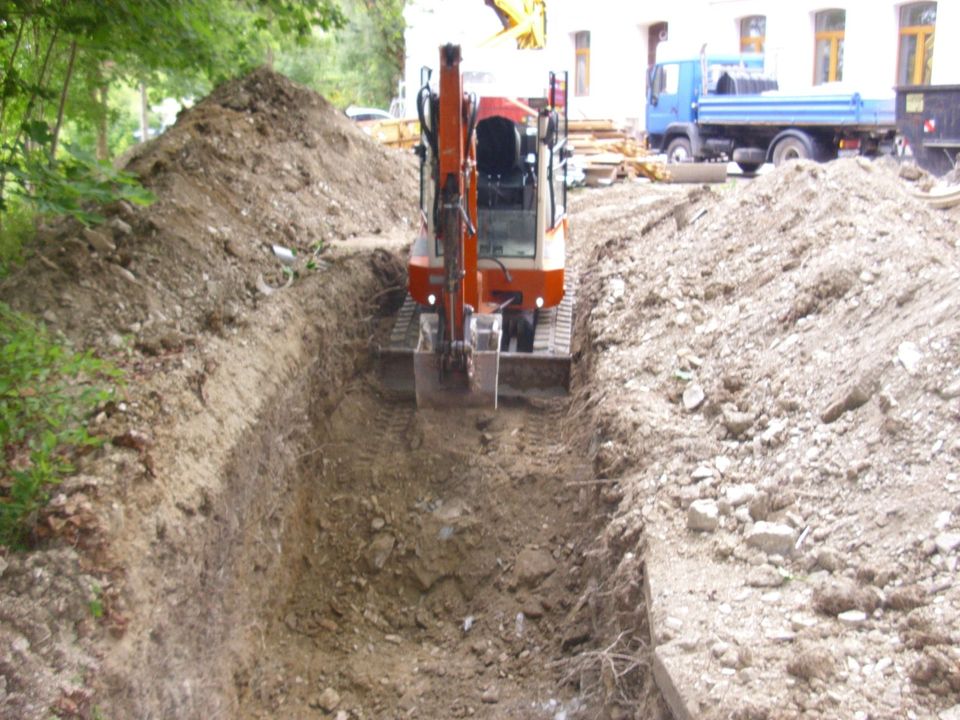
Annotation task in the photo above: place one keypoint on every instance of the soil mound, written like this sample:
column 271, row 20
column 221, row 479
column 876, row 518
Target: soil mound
column 176, row 293
column 776, row 374
column 261, row 161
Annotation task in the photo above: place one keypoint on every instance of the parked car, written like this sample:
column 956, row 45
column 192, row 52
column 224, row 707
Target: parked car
column 359, row 114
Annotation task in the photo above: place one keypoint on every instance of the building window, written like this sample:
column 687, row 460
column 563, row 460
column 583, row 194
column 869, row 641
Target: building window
column 753, row 30
column 915, row 61
column 828, row 52
column 582, row 66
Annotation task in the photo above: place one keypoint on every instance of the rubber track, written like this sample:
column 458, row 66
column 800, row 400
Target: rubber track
column 552, row 336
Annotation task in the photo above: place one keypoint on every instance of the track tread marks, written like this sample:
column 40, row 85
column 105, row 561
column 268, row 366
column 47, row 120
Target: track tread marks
column 388, row 430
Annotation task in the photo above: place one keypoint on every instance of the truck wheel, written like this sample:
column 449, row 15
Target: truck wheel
column 791, row 148
column 748, row 168
column 679, row 151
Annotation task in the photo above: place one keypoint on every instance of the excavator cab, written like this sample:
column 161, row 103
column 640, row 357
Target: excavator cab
column 488, row 313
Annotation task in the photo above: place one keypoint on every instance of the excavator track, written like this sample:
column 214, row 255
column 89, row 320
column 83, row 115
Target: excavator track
column 545, row 372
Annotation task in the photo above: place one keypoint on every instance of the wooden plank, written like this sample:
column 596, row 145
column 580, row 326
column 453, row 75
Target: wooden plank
column 600, row 175
column 576, row 125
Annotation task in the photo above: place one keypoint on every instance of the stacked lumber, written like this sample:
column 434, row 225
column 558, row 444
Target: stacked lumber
column 607, row 153
column 399, row 133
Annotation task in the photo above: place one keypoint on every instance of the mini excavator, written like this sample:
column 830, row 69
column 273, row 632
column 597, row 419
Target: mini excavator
column 488, row 312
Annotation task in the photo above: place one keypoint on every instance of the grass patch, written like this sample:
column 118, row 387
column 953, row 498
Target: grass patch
column 47, row 392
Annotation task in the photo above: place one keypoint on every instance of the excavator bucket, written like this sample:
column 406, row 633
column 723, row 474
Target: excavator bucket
column 475, row 384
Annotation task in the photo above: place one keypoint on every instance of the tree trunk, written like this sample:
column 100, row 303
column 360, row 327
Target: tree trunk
column 63, row 101
column 103, row 149
column 144, row 117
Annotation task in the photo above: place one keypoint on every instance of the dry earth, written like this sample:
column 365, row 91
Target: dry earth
column 777, row 387
column 759, row 453
column 269, row 534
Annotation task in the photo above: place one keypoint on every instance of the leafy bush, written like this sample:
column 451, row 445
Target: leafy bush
column 73, row 185
column 16, row 231
column 46, row 393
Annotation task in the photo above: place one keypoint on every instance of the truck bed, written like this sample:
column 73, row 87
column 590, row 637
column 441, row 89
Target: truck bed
column 777, row 109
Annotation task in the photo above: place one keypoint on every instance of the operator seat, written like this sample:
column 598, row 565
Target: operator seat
column 499, row 163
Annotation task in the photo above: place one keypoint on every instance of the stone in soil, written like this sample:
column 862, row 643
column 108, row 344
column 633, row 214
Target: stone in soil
column 379, row 551
column 491, row 696
column 736, row 422
column 771, row 538
column 703, row 516
column 851, row 399
column 764, row 576
column 327, row 701
column 99, row 241
column 852, row 617
column 947, row 542
column 740, row 494
column 693, row 397
column 533, row 565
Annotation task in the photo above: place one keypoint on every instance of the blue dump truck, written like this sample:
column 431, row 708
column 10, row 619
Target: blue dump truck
column 723, row 107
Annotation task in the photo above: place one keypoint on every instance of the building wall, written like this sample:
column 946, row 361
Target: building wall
column 618, row 43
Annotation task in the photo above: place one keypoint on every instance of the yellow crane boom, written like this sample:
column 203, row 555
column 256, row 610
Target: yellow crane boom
column 523, row 20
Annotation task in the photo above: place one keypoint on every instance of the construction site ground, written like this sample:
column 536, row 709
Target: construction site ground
column 747, row 506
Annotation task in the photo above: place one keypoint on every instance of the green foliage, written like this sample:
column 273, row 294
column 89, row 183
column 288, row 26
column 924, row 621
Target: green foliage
column 17, row 229
column 96, row 601
column 73, row 185
column 359, row 65
column 58, row 59
column 46, row 392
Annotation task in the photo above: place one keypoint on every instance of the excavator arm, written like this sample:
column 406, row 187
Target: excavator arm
column 457, row 358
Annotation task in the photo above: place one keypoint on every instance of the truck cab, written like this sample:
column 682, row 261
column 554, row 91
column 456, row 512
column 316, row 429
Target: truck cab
column 723, row 107
column 674, row 88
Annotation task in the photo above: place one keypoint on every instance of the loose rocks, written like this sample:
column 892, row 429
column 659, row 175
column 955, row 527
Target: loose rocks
column 703, row 515
column 533, row 565
column 772, row 538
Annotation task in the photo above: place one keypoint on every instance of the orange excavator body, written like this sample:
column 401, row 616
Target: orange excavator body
column 487, row 297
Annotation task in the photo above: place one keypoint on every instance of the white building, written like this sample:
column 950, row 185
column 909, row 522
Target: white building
column 607, row 45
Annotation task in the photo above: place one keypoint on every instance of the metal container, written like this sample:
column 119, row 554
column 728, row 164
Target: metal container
column 928, row 118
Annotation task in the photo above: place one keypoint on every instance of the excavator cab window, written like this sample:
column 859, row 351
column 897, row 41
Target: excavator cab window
column 506, row 188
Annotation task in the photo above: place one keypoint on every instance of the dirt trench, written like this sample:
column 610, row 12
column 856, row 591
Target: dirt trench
column 331, row 550
column 440, row 563
column 266, row 533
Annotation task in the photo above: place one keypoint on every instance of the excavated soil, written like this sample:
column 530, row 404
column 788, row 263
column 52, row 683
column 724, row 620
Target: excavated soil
column 750, row 494
column 776, row 383
column 267, row 533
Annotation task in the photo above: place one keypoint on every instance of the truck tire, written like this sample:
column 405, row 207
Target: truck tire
column 791, row 148
column 679, row 150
